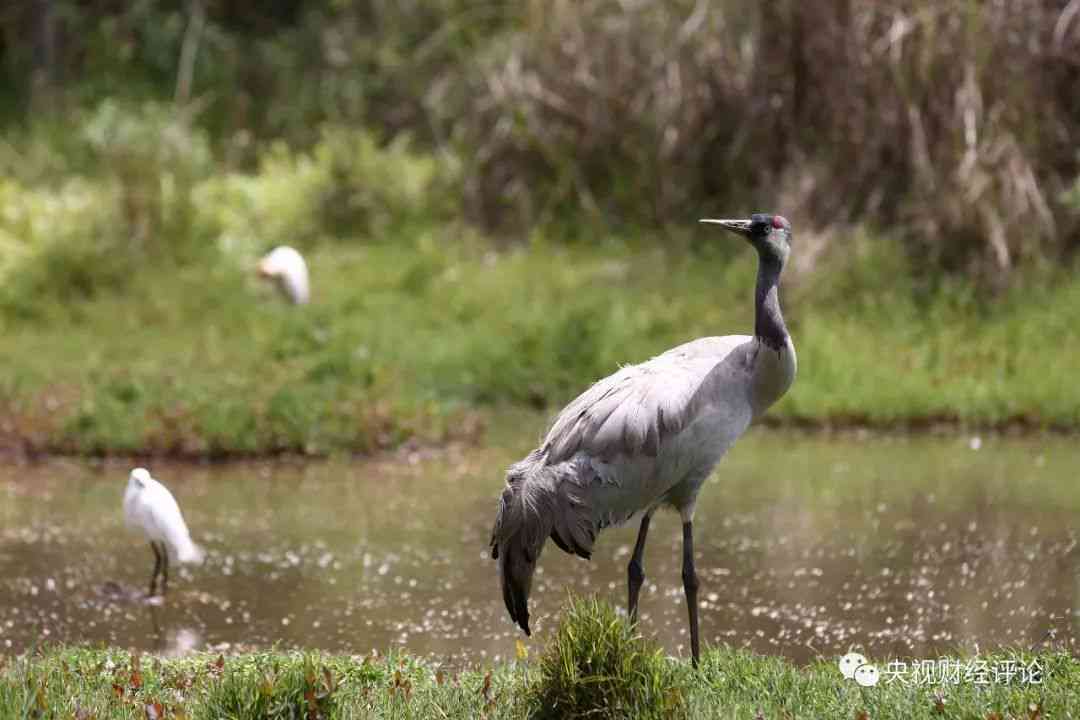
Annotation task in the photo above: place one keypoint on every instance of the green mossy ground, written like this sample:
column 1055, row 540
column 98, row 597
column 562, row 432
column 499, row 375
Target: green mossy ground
column 594, row 666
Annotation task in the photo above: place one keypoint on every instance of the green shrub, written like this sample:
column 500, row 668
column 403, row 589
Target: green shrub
column 151, row 202
column 153, row 158
column 60, row 245
column 93, row 232
column 346, row 186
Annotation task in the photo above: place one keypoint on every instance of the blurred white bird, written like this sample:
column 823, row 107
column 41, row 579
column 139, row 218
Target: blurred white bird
column 149, row 507
column 286, row 267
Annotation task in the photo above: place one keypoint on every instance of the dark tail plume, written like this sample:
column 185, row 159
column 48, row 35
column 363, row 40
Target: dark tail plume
column 539, row 501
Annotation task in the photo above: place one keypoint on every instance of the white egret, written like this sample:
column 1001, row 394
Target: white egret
column 286, row 267
column 151, row 509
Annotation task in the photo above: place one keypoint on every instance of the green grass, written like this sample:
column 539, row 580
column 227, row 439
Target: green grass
column 132, row 322
column 594, row 666
column 597, row 664
column 423, row 339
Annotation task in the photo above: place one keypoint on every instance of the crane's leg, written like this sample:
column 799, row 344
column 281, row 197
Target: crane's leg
column 164, row 569
column 635, row 571
column 157, row 568
column 690, row 585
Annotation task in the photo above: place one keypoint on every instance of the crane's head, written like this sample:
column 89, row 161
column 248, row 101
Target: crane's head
column 139, row 477
column 770, row 234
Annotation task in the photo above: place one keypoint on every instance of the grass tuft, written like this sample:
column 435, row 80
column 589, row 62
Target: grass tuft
column 269, row 688
column 598, row 665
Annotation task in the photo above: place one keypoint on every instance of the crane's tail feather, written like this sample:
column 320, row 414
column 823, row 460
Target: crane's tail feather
column 517, row 563
column 537, row 503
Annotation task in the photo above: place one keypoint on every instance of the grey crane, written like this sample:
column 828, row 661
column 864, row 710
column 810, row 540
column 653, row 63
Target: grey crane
column 645, row 437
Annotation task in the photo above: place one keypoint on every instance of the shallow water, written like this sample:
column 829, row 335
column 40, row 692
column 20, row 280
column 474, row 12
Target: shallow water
column 805, row 546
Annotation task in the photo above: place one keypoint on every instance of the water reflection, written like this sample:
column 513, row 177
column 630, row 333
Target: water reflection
column 171, row 640
column 805, row 547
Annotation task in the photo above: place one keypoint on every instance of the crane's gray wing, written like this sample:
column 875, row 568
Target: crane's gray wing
column 632, row 411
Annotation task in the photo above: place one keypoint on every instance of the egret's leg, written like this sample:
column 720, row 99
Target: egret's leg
column 164, row 569
column 690, row 585
column 155, row 621
column 157, row 568
column 635, row 571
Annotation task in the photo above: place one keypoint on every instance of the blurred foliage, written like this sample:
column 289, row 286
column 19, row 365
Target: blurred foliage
column 93, row 231
column 954, row 122
column 140, row 189
column 257, row 70
column 346, row 186
column 150, row 152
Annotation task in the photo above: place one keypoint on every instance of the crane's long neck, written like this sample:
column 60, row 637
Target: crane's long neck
column 768, row 322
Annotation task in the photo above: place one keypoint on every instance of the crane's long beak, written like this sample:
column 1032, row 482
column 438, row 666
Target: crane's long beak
column 739, row 227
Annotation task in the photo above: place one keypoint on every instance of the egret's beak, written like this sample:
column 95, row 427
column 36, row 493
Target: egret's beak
column 740, row 227
column 262, row 270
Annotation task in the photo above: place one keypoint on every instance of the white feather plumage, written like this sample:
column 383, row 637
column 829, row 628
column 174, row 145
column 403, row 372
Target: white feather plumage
column 151, row 509
column 286, row 266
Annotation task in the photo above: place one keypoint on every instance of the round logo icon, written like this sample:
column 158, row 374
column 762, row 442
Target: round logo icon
column 850, row 663
column 867, row 675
